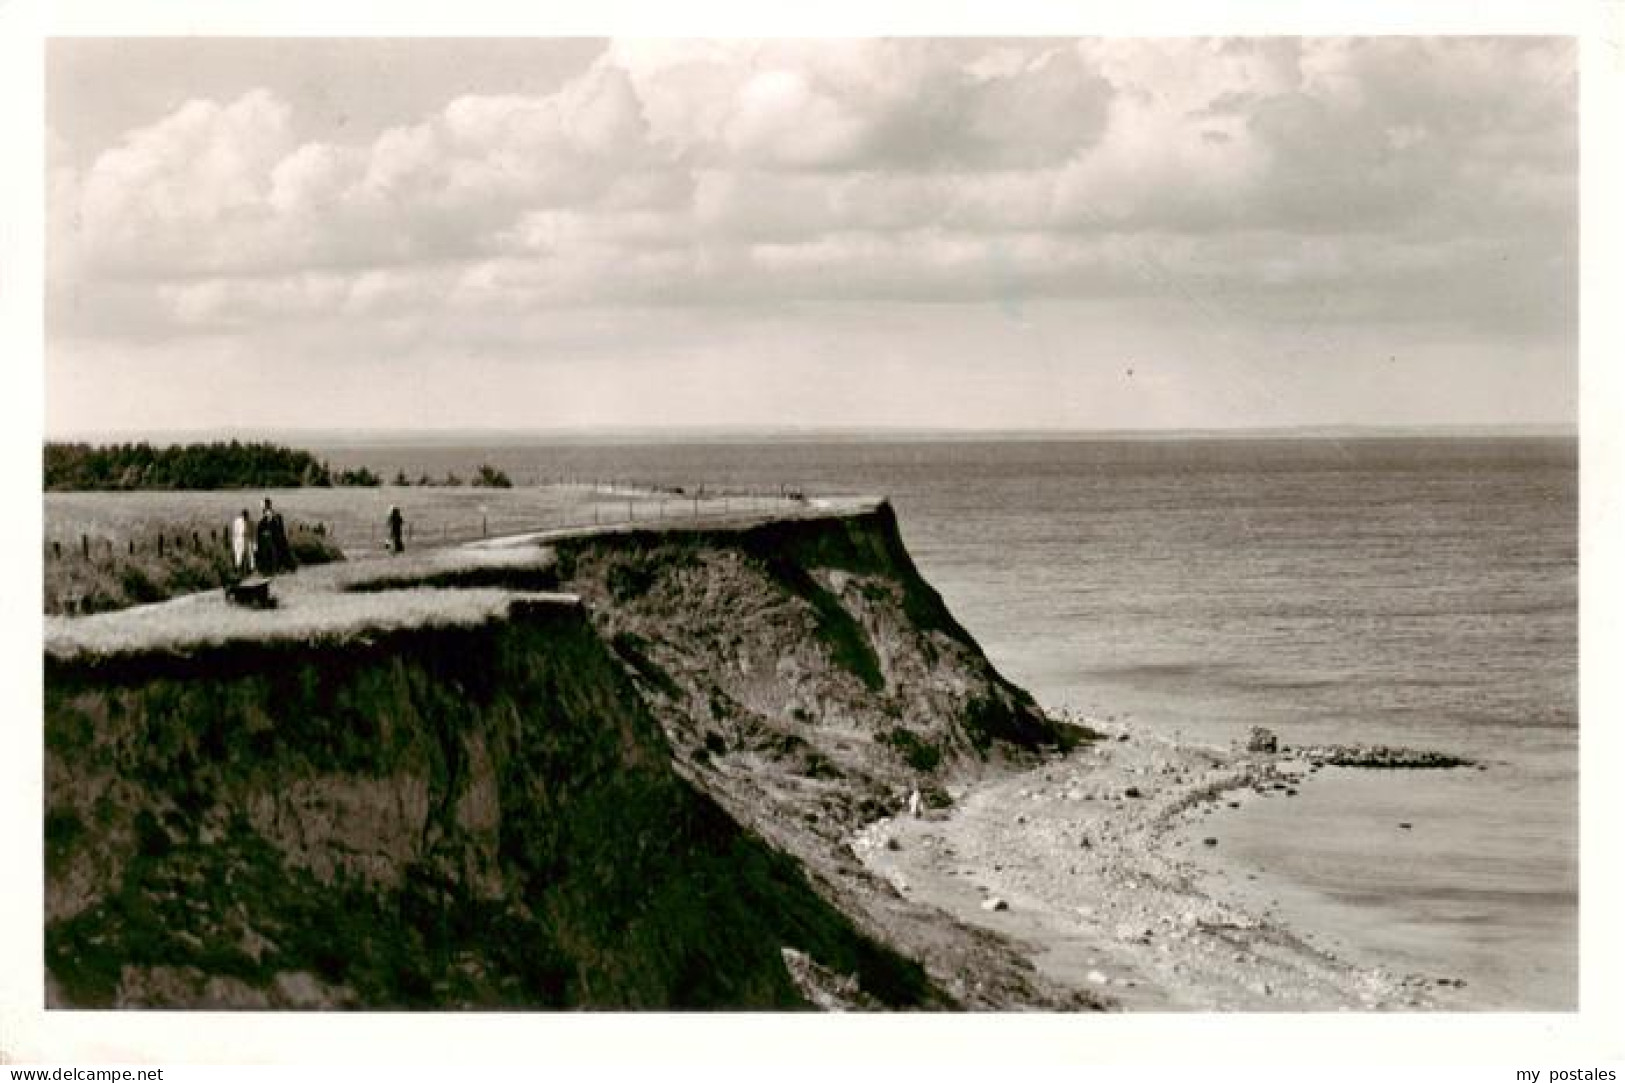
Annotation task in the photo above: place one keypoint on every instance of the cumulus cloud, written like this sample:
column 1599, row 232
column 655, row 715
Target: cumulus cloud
column 872, row 104
column 706, row 172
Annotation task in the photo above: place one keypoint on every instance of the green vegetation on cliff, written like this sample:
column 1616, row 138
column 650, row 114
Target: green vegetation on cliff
column 476, row 817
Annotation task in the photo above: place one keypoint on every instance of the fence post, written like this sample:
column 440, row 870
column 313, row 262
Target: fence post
column 132, row 547
column 160, row 543
column 84, row 545
column 56, row 546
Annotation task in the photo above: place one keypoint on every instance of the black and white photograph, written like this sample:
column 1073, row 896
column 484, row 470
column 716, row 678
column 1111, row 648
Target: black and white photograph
column 974, row 524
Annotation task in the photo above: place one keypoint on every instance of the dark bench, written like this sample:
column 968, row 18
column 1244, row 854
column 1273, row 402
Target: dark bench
column 253, row 592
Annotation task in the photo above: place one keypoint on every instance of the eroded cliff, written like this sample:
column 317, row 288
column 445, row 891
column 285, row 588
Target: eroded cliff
column 636, row 795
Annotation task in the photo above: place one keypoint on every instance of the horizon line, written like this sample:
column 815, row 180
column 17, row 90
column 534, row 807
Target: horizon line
column 735, row 433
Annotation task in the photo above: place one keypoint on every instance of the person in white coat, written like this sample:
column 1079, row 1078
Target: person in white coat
column 242, row 549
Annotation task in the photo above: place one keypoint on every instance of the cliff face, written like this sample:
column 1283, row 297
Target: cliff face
column 637, row 801
column 803, row 669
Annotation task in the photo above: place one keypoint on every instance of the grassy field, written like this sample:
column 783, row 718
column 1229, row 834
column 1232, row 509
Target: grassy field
column 106, row 550
column 354, row 517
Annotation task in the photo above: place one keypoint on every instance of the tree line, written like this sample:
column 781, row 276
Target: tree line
column 217, row 465
column 234, row 465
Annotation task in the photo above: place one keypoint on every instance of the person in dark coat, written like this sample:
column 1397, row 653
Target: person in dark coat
column 264, row 546
column 396, row 524
column 271, row 551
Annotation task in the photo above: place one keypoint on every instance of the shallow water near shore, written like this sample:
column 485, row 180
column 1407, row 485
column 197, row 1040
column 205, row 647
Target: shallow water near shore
column 1416, row 592
column 1383, row 868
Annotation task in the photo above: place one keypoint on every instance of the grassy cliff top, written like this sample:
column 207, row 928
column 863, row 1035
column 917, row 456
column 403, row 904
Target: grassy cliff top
column 815, row 508
column 204, row 620
column 464, row 585
column 516, row 567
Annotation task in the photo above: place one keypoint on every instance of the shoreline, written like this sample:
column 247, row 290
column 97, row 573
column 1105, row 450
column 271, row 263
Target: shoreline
column 1097, row 866
column 1389, row 871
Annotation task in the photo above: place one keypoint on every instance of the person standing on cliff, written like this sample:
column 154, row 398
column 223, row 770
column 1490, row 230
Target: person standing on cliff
column 396, row 524
column 242, row 550
column 271, row 552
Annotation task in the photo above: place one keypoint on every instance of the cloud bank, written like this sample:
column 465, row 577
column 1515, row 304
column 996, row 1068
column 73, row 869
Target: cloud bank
column 1246, row 184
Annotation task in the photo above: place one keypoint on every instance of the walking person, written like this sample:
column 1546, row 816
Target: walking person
column 242, row 549
column 396, row 524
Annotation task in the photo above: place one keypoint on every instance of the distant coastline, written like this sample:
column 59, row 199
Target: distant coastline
column 748, row 434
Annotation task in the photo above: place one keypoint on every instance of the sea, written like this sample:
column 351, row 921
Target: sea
column 1388, row 590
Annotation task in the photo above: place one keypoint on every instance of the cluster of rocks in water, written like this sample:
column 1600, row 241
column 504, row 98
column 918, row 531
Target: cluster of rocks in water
column 1260, row 739
column 1382, row 756
column 1263, row 740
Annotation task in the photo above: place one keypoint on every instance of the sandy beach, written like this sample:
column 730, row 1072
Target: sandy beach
column 1111, row 868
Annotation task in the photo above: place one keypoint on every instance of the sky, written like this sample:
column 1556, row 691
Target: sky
column 1053, row 234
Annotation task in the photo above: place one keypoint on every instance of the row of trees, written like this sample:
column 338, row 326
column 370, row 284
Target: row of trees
column 489, row 477
column 234, row 465
column 181, row 466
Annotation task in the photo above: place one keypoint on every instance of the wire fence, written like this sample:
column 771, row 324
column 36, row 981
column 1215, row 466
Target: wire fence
column 159, row 543
column 440, row 529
